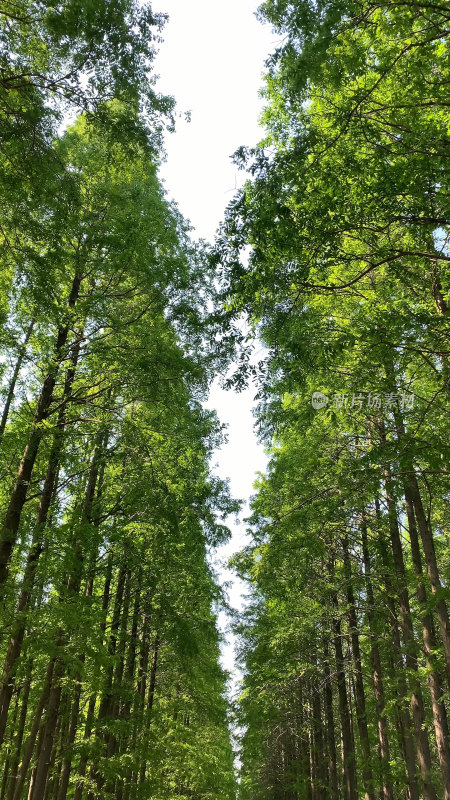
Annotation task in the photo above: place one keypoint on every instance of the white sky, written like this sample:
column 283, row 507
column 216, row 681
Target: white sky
column 212, row 61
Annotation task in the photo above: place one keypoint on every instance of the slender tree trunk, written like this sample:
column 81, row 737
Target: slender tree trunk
column 405, row 719
column 33, row 769
column 73, row 589
column 348, row 747
column 107, row 701
column 417, row 705
column 69, row 741
column 92, row 702
column 131, row 655
column 143, row 667
column 151, row 697
column 318, row 745
column 91, row 513
column 37, row 789
column 125, row 711
column 84, row 759
column 431, row 564
column 30, row 744
column 71, row 735
column 303, row 756
column 8, row 755
column 26, row 593
column 429, row 640
column 20, row 733
column 51, row 786
column 425, row 531
column 112, row 743
column 13, row 382
column 153, row 673
column 329, row 714
column 360, row 699
column 383, row 738
column 10, row 528
column 312, row 760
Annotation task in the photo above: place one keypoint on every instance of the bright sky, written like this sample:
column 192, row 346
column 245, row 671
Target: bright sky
column 212, row 61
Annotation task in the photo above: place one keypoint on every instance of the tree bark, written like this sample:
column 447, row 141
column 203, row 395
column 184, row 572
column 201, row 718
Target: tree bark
column 431, row 564
column 130, row 666
column 8, row 754
column 329, row 714
column 92, row 702
column 151, row 697
column 417, row 704
column 377, row 672
column 348, row 746
column 20, row 733
column 73, row 589
column 26, row 592
column 29, row 747
column 13, row 382
column 84, row 759
column 360, row 699
column 10, row 527
column 429, row 640
column 318, row 745
column 405, row 718
column 425, row 531
column 106, row 703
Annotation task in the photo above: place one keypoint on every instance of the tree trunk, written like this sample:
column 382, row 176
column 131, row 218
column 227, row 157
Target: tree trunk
column 20, row 733
column 431, row 564
column 331, row 743
column 425, row 531
column 106, row 704
column 312, row 759
column 405, row 719
column 29, row 747
column 91, row 514
column 378, row 687
column 429, row 640
column 348, row 747
column 10, row 528
column 318, row 746
column 84, row 759
column 303, row 776
column 13, row 382
column 37, row 789
column 119, row 672
column 360, row 699
column 8, row 754
column 130, row 671
column 417, row 705
column 151, row 697
column 92, row 702
column 73, row 588
column 48, row 492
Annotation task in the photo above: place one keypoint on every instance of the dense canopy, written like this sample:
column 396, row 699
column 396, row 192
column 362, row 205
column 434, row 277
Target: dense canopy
column 346, row 643
column 333, row 260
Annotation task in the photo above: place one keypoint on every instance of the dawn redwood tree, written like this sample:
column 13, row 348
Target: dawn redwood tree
column 110, row 678
column 336, row 251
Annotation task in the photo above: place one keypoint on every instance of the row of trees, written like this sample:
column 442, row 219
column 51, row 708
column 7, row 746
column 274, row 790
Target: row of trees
column 110, row 679
column 346, row 641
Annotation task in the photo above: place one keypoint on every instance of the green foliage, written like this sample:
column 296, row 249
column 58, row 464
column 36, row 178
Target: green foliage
column 347, row 285
column 111, row 683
